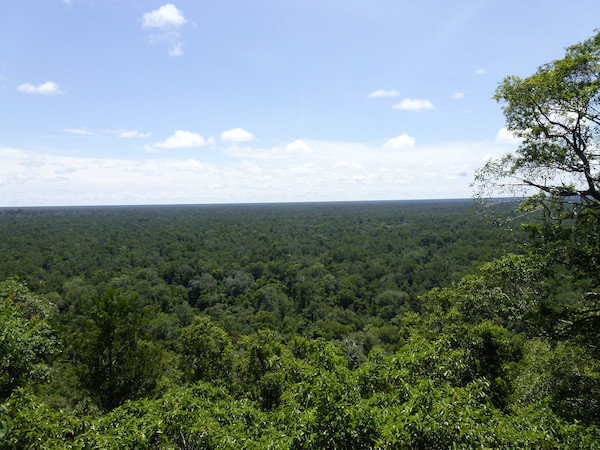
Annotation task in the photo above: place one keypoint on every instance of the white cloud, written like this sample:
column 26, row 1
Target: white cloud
column 298, row 146
column 341, row 164
column 414, row 105
column 236, row 151
column 504, row 136
column 120, row 132
column 47, row 88
column 166, row 20
column 402, row 142
column 164, row 17
column 172, row 38
column 188, row 164
column 182, row 139
column 132, row 134
column 480, row 72
column 489, row 157
column 176, row 49
column 80, row 131
column 332, row 171
column 384, row 93
column 458, row 95
column 304, row 169
column 346, row 165
column 237, row 135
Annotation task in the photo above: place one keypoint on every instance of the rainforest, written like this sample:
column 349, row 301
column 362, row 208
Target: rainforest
column 334, row 325
column 359, row 325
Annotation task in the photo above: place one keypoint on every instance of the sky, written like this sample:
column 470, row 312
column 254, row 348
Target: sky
column 127, row 102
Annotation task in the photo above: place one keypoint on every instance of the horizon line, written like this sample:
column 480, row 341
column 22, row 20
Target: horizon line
column 274, row 203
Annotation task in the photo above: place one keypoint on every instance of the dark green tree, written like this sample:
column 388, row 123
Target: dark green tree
column 116, row 361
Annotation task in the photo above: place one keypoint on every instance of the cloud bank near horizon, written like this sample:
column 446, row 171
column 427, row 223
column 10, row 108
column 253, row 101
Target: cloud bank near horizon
column 302, row 170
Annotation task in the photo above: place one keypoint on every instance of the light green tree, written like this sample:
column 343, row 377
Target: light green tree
column 556, row 113
column 554, row 290
column 26, row 337
column 206, row 351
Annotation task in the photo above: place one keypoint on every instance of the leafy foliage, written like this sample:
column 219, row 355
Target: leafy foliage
column 197, row 329
column 26, row 338
column 556, row 113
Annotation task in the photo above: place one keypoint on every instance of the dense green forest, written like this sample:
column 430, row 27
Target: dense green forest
column 335, row 325
column 323, row 270
column 298, row 325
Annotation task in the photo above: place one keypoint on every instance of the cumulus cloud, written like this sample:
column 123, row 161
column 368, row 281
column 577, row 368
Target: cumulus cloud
column 237, row 135
column 298, row 146
column 504, row 136
column 480, row 72
column 384, row 93
column 165, row 21
column 47, row 88
column 164, row 17
column 181, row 139
column 414, row 105
column 402, row 142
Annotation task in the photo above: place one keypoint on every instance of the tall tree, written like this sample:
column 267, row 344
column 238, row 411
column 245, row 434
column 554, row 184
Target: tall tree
column 556, row 114
column 116, row 362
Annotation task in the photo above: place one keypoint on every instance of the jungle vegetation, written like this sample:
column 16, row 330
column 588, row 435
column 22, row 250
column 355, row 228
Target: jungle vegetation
column 335, row 325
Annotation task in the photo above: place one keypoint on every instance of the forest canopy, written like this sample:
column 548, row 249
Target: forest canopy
column 350, row 325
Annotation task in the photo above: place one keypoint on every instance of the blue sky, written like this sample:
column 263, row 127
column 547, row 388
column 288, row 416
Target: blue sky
column 235, row 101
